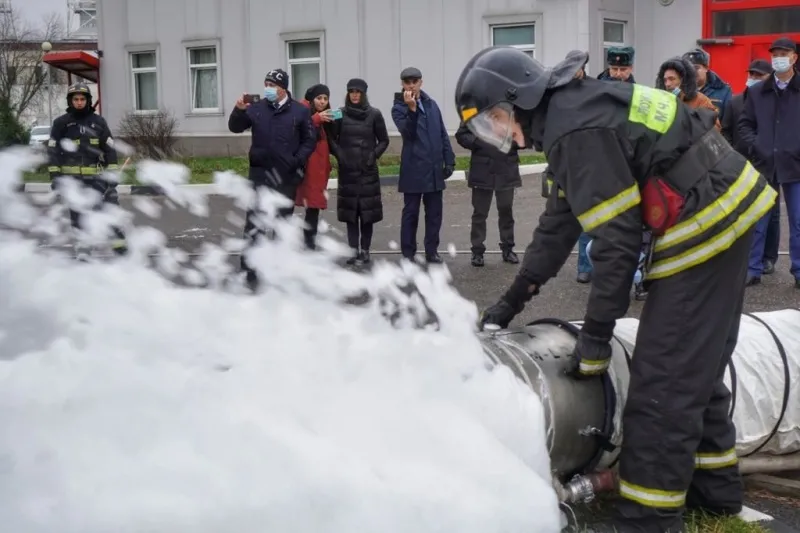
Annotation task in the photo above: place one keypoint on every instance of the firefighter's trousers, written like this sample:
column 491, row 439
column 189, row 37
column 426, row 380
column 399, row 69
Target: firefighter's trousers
column 679, row 440
column 108, row 195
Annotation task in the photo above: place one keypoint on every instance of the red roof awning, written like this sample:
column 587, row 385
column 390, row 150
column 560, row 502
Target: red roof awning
column 76, row 62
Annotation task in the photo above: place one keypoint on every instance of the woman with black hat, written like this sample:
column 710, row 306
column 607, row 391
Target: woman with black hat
column 311, row 192
column 361, row 142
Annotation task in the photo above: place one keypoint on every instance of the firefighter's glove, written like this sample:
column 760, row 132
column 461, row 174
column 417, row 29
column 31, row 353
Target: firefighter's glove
column 591, row 357
column 510, row 304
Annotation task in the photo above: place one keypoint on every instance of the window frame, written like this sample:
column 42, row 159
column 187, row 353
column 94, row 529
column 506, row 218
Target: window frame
column 299, row 37
column 195, row 45
column 608, row 44
column 527, row 19
column 144, row 70
column 531, row 47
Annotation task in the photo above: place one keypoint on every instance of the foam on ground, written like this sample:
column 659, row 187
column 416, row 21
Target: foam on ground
column 128, row 404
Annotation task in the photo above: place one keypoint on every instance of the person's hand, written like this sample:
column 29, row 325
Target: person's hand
column 410, row 100
column 326, row 116
column 500, row 314
column 591, row 356
column 241, row 104
column 448, row 171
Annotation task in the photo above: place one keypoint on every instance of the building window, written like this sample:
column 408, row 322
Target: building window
column 145, row 81
column 613, row 35
column 305, row 65
column 520, row 36
column 766, row 20
column 204, row 78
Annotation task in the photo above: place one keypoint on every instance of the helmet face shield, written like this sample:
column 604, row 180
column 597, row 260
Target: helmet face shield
column 495, row 126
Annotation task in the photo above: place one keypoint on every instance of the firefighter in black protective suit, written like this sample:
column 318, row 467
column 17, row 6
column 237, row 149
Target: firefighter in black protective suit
column 622, row 155
column 92, row 155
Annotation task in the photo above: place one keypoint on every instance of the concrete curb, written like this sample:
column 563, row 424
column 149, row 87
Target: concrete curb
column 333, row 183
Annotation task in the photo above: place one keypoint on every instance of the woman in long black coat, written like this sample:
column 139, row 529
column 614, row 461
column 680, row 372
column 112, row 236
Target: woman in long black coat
column 362, row 138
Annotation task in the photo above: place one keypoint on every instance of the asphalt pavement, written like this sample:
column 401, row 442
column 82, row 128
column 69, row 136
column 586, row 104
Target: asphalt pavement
column 562, row 297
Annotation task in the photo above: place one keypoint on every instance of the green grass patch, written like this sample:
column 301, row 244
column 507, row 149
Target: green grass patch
column 203, row 168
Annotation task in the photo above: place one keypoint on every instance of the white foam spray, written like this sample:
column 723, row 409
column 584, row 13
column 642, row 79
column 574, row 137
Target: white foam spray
column 129, row 404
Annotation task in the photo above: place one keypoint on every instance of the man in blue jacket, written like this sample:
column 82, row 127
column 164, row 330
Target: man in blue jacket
column 768, row 125
column 426, row 161
column 283, row 140
column 708, row 82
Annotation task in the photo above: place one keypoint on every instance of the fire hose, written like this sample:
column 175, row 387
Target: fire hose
column 583, row 418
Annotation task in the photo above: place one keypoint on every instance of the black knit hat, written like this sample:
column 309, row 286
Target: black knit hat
column 279, row 78
column 316, row 90
column 358, row 84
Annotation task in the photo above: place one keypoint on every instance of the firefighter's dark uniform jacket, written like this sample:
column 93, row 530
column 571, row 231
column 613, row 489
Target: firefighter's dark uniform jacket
column 90, row 133
column 627, row 133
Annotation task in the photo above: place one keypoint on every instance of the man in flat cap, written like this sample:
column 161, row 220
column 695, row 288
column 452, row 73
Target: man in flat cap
column 758, row 71
column 708, row 82
column 768, row 125
column 426, row 161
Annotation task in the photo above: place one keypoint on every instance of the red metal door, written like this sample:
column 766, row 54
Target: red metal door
column 737, row 31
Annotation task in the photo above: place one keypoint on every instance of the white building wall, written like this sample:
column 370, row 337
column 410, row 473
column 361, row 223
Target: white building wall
column 371, row 39
column 664, row 32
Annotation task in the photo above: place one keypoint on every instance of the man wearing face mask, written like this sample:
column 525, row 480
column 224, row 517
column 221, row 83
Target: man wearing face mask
column 678, row 76
column 283, row 140
column 768, row 125
column 758, row 71
column 623, row 156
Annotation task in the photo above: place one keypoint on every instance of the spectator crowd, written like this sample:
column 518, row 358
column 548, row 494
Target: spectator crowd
column 293, row 141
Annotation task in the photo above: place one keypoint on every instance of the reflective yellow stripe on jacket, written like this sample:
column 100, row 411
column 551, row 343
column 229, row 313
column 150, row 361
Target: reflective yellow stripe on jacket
column 614, row 206
column 723, row 207
column 717, row 244
column 661, row 499
column 76, row 171
column 550, row 184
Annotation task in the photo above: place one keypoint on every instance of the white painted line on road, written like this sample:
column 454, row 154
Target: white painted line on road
column 333, row 183
column 751, row 515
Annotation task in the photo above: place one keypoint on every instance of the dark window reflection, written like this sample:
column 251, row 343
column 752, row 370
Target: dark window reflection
column 757, row 21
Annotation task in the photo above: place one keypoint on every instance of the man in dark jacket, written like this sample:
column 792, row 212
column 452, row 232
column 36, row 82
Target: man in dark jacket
column 620, row 68
column 618, row 152
column 709, row 83
column 426, row 161
column 758, row 71
column 283, row 140
column 91, row 157
column 768, row 125
column 491, row 172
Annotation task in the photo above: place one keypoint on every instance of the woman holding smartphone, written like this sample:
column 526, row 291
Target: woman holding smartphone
column 311, row 192
column 362, row 139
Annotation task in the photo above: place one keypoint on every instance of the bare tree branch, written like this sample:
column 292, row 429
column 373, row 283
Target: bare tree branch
column 151, row 134
column 22, row 74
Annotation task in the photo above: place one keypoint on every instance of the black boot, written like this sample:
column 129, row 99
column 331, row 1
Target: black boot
column 752, row 281
column 510, row 257
column 353, row 258
column 477, row 260
column 584, row 277
column 434, row 258
column 364, row 257
column 769, row 267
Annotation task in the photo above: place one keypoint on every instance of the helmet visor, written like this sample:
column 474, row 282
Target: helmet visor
column 495, row 126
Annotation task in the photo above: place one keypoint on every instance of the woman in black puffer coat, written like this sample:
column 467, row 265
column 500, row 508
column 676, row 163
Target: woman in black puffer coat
column 362, row 138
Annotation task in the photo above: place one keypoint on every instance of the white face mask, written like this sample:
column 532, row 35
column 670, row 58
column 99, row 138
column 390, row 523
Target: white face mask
column 781, row 64
column 752, row 81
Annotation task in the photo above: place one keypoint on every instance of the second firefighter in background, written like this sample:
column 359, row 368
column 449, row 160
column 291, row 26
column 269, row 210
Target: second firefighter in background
column 91, row 156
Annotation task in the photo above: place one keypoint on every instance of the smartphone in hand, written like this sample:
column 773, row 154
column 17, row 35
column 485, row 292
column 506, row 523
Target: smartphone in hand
column 336, row 114
column 252, row 98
